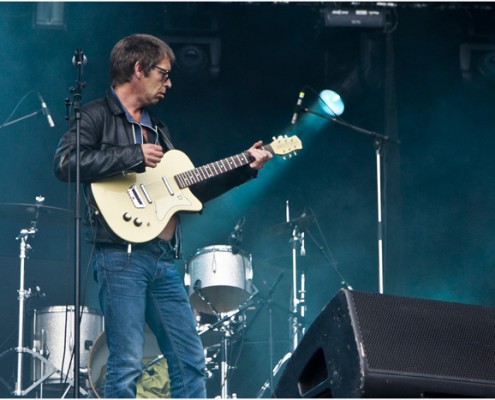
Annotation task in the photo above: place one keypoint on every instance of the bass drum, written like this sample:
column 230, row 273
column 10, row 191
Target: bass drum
column 220, row 277
column 154, row 380
column 53, row 330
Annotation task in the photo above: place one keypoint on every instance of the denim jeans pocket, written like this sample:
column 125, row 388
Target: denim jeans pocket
column 111, row 259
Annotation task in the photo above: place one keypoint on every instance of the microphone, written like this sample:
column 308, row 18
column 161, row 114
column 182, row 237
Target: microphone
column 297, row 110
column 46, row 112
column 235, row 238
column 237, row 228
column 79, row 58
column 39, row 293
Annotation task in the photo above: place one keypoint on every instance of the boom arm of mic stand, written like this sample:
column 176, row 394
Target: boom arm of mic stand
column 366, row 132
column 379, row 139
column 230, row 316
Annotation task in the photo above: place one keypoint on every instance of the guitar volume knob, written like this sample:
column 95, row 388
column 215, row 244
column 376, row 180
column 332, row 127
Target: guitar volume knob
column 127, row 217
column 138, row 222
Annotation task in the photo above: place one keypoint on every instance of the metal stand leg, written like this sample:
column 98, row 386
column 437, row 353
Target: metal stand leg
column 23, row 294
column 47, row 368
column 298, row 306
column 224, row 367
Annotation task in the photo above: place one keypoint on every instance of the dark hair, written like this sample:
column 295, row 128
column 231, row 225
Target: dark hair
column 147, row 49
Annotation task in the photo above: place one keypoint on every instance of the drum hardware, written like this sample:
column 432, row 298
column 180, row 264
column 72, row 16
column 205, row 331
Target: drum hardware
column 211, row 356
column 267, row 302
column 55, row 216
column 269, row 382
column 224, row 350
column 296, row 229
column 226, row 324
column 24, row 294
column 53, row 335
column 49, row 369
column 286, row 227
column 298, row 304
column 236, row 236
column 219, row 278
column 204, row 299
column 209, row 330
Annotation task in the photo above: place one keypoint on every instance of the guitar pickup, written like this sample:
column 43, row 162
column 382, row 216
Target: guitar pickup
column 136, row 198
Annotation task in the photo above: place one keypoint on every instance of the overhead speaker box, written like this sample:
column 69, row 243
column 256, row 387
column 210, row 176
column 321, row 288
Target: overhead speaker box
column 373, row 345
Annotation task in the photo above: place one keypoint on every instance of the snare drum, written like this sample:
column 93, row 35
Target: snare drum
column 54, row 337
column 218, row 276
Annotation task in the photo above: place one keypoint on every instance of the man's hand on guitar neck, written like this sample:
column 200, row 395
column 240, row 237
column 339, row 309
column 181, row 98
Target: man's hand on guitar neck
column 260, row 156
column 152, row 154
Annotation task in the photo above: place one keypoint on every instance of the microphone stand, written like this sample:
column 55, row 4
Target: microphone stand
column 379, row 139
column 79, row 61
column 298, row 306
column 268, row 302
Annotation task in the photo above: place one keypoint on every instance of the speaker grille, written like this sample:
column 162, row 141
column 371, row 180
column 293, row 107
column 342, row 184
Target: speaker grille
column 426, row 337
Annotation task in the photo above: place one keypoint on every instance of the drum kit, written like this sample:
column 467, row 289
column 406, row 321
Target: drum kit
column 219, row 280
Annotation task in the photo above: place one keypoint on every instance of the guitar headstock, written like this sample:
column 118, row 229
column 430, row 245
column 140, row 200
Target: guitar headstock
column 286, row 145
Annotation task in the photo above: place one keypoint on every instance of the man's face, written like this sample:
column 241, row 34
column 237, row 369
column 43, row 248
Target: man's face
column 157, row 82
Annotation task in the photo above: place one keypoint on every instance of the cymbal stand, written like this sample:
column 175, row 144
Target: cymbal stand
column 224, row 364
column 23, row 293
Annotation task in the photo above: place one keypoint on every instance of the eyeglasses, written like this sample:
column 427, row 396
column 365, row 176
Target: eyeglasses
column 165, row 73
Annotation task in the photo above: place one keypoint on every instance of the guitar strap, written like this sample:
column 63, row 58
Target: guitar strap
column 165, row 136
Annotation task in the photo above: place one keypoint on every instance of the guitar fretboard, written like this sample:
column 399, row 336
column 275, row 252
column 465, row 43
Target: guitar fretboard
column 207, row 171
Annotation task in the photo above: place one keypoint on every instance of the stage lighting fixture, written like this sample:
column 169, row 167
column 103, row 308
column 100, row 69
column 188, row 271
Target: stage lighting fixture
column 354, row 17
column 331, row 103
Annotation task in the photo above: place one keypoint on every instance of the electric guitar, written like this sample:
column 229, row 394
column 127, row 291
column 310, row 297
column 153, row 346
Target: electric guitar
column 137, row 207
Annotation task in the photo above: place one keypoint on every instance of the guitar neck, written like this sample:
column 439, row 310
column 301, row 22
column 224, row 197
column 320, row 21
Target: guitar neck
column 207, row 171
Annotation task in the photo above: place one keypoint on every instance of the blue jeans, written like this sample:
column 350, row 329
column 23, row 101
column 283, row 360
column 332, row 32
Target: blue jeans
column 145, row 286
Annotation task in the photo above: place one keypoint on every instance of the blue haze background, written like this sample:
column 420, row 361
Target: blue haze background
column 439, row 184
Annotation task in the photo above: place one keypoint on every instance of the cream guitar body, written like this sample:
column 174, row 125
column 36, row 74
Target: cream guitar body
column 137, row 207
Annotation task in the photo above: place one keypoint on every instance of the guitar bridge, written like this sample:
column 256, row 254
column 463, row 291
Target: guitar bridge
column 136, row 198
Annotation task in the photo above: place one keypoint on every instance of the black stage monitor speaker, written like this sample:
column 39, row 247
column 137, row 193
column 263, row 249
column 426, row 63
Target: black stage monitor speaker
column 373, row 345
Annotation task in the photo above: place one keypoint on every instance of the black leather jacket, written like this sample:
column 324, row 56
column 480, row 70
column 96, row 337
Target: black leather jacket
column 108, row 148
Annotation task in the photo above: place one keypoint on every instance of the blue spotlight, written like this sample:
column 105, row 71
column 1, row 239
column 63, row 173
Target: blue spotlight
column 331, row 103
